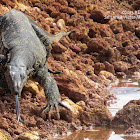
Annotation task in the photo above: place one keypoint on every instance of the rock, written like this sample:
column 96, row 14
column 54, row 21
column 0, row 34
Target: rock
column 62, row 2
column 137, row 32
column 120, row 66
column 138, row 54
column 108, row 76
column 136, row 5
column 63, row 16
column 132, row 131
column 105, row 31
column 32, row 121
column 70, row 85
column 116, row 26
column 137, row 75
column 61, row 24
column 98, row 45
column 82, row 46
column 113, row 43
column 73, row 113
column 129, row 115
column 68, row 10
column 94, row 30
column 3, row 10
column 64, row 42
column 96, row 116
column 120, row 74
column 79, row 4
column 4, row 124
column 99, row 16
column 90, row 7
column 80, row 36
column 74, row 48
column 3, row 137
column 109, row 67
column 98, row 67
column 28, row 136
column 128, row 25
column 58, row 47
column 33, row 87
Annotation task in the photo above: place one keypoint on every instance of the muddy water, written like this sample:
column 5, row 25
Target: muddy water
column 127, row 89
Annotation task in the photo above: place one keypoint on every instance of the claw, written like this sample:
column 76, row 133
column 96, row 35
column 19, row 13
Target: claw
column 49, row 115
column 57, row 111
column 17, row 110
column 46, row 109
column 49, row 108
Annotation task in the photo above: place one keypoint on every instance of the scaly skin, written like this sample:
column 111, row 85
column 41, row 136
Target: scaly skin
column 45, row 37
column 25, row 56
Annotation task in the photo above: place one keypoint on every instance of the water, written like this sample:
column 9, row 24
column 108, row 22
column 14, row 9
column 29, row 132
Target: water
column 127, row 89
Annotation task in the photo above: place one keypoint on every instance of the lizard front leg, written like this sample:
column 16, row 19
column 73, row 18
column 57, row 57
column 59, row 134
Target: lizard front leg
column 50, row 89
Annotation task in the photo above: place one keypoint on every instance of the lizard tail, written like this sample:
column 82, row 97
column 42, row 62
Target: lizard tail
column 58, row 36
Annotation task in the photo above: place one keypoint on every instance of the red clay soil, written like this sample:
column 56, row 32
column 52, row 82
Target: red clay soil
column 104, row 43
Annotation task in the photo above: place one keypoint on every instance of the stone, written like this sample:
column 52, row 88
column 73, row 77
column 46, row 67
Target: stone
column 132, row 131
column 109, row 67
column 33, row 87
column 138, row 54
column 120, row 66
column 108, row 76
column 62, row 2
column 4, row 124
column 137, row 32
column 79, row 36
column 98, row 67
column 129, row 115
column 105, row 30
column 73, row 113
column 116, row 26
column 136, row 5
column 79, row 4
column 28, row 136
column 128, row 25
column 3, row 137
column 61, row 24
column 68, row 10
column 82, row 46
column 74, row 48
column 97, row 45
column 99, row 16
column 71, row 86
column 3, row 10
column 96, row 116
column 58, row 47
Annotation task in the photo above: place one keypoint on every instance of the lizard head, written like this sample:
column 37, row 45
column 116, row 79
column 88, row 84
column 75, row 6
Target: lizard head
column 17, row 76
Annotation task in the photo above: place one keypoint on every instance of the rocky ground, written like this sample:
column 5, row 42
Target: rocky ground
column 104, row 45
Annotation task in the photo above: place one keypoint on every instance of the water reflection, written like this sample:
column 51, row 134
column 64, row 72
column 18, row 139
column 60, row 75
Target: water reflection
column 127, row 89
column 99, row 133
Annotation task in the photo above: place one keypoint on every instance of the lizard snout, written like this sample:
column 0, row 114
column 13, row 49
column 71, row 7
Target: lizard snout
column 17, row 86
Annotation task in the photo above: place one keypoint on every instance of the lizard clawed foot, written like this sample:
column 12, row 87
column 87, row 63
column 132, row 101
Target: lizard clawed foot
column 17, row 110
column 49, row 108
